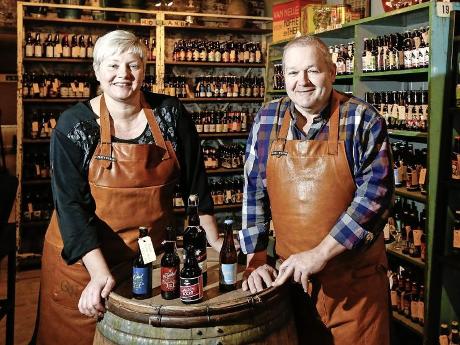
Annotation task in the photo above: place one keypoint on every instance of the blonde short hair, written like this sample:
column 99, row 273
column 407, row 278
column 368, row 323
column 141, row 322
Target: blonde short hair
column 118, row 42
column 305, row 41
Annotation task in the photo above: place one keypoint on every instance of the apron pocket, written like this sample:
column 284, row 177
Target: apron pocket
column 69, row 282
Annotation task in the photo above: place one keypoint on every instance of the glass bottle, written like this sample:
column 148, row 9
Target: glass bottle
column 142, row 273
column 191, row 278
column 170, row 270
column 228, row 259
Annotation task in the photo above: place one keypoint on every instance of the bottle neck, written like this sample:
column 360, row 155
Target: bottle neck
column 193, row 218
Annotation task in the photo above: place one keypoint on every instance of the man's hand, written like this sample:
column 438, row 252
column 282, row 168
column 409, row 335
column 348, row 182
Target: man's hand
column 256, row 279
column 91, row 299
column 301, row 266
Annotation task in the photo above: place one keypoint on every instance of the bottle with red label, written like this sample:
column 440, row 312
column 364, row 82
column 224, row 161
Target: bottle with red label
column 191, row 280
column 170, row 269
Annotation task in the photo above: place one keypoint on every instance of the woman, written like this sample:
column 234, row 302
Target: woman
column 115, row 161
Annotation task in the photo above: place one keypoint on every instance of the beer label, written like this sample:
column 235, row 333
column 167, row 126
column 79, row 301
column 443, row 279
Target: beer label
column 141, row 275
column 401, row 112
column 191, row 289
column 443, row 340
column 58, row 50
column 168, row 278
column 49, row 52
column 422, row 177
column 81, row 87
column 394, row 298
column 66, row 51
column 228, row 274
column 29, row 50
column 421, row 310
column 417, row 237
column 147, row 251
column 38, row 52
column 89, row 52
column 414, row 309
column 456, row 239
column 53, row 122
column 35, row 88
column 74, row 88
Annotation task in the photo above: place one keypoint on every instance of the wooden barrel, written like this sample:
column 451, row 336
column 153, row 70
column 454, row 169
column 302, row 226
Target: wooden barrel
column 234, row 317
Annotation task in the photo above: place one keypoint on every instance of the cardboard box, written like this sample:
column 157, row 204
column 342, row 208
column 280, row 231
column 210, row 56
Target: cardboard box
column 286, row 18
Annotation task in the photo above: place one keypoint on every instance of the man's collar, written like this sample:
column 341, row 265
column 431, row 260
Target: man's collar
column 324, row 115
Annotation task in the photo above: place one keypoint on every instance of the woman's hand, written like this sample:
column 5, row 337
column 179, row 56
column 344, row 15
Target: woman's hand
column 91, row 300
column 101, row 283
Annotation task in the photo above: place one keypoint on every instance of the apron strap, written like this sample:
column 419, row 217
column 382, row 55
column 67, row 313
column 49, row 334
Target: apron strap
column 106, row 139
column 333, row 137
column 156, row 132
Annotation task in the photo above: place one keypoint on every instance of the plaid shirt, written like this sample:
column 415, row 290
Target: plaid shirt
column 368, row 153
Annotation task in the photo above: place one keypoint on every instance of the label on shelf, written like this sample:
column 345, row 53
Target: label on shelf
column 443, row 9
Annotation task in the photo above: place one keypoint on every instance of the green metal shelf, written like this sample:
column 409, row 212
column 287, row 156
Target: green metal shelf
column 399, row 254
column 417, row 196
column 276, row 92
column 414, row 327
column 397, row 73
column 407, row 134
column 215, row 64
column 344, row 77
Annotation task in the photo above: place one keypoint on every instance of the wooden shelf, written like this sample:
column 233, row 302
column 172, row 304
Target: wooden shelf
column 222, row 100
column 85, row 22
column 36, row 182
column 407, row 134
column 399, row 254
column 414, row 327
column 253, row 31
column 222, row 171
column 53, row 100
column 215, row 64
column 417, row 196
column 57, row 60
column 228, row 207
column 36, row 141
column 223, row 135
column 276, row 58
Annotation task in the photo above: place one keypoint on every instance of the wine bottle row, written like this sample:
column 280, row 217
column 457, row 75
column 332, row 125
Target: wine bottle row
column 216, row 121
column 215, row 51
column 405, row 229
column 229, row 86
column 278, row 77
column 36, row 165
column 41, row 124
column 343, row 56
column 77, row 47
column 37, row 205
column 58, row 85
column 397, row 51
column 225, row 156
column 402, row 110
column 407, row 297
column 409, row 167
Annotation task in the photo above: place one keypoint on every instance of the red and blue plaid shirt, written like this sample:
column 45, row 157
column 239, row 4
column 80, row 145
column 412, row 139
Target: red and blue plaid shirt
column 369, row 157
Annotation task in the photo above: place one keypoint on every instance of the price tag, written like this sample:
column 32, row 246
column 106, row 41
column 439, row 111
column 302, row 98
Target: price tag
column 147, row 251
column 443, row 9
column 81, row 87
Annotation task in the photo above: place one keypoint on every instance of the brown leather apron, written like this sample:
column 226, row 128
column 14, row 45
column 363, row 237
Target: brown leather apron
column 132, row 185
column 310, row 185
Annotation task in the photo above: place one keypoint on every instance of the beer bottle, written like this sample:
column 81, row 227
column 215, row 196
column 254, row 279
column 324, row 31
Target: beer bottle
column 228, row 258
column 444, row 334
column 38, row 48
column 191, row 279
column 170, row 267
column 29, row 47
column 142, row 273
column 394, row 293
column 421, row 305
column 195, row 235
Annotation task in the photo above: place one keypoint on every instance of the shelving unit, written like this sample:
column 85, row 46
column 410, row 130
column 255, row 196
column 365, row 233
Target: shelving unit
column 164, row 27
column 359, row 83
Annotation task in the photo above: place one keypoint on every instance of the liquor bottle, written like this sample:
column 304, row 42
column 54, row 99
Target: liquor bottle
column 142, row 273
column 75, row 49
column 66, row 51
column 407, row 298
column 394, row 293
column 191, row 278
column 82, row 46
column 400, row 292
column 57, row 46
column 195, row 235
column 444, row 334
column 170, row 271
column 228, row 259
column 414, row 303
column 421, row 305
column 38, row 48
column 454, row 337
column 49, row 47
column 29, row 46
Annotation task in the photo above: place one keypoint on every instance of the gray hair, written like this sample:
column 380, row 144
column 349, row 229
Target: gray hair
column 305, row 41
column 118, row 42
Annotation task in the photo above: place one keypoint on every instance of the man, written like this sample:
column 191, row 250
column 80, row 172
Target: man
column 319, row 162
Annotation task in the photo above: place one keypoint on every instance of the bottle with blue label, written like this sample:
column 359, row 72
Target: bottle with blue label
column 142, row 273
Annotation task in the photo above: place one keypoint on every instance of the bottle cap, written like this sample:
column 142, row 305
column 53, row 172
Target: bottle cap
column 228, row 221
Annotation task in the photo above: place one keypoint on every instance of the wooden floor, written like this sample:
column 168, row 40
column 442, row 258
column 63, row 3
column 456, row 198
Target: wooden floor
column 27, row 285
